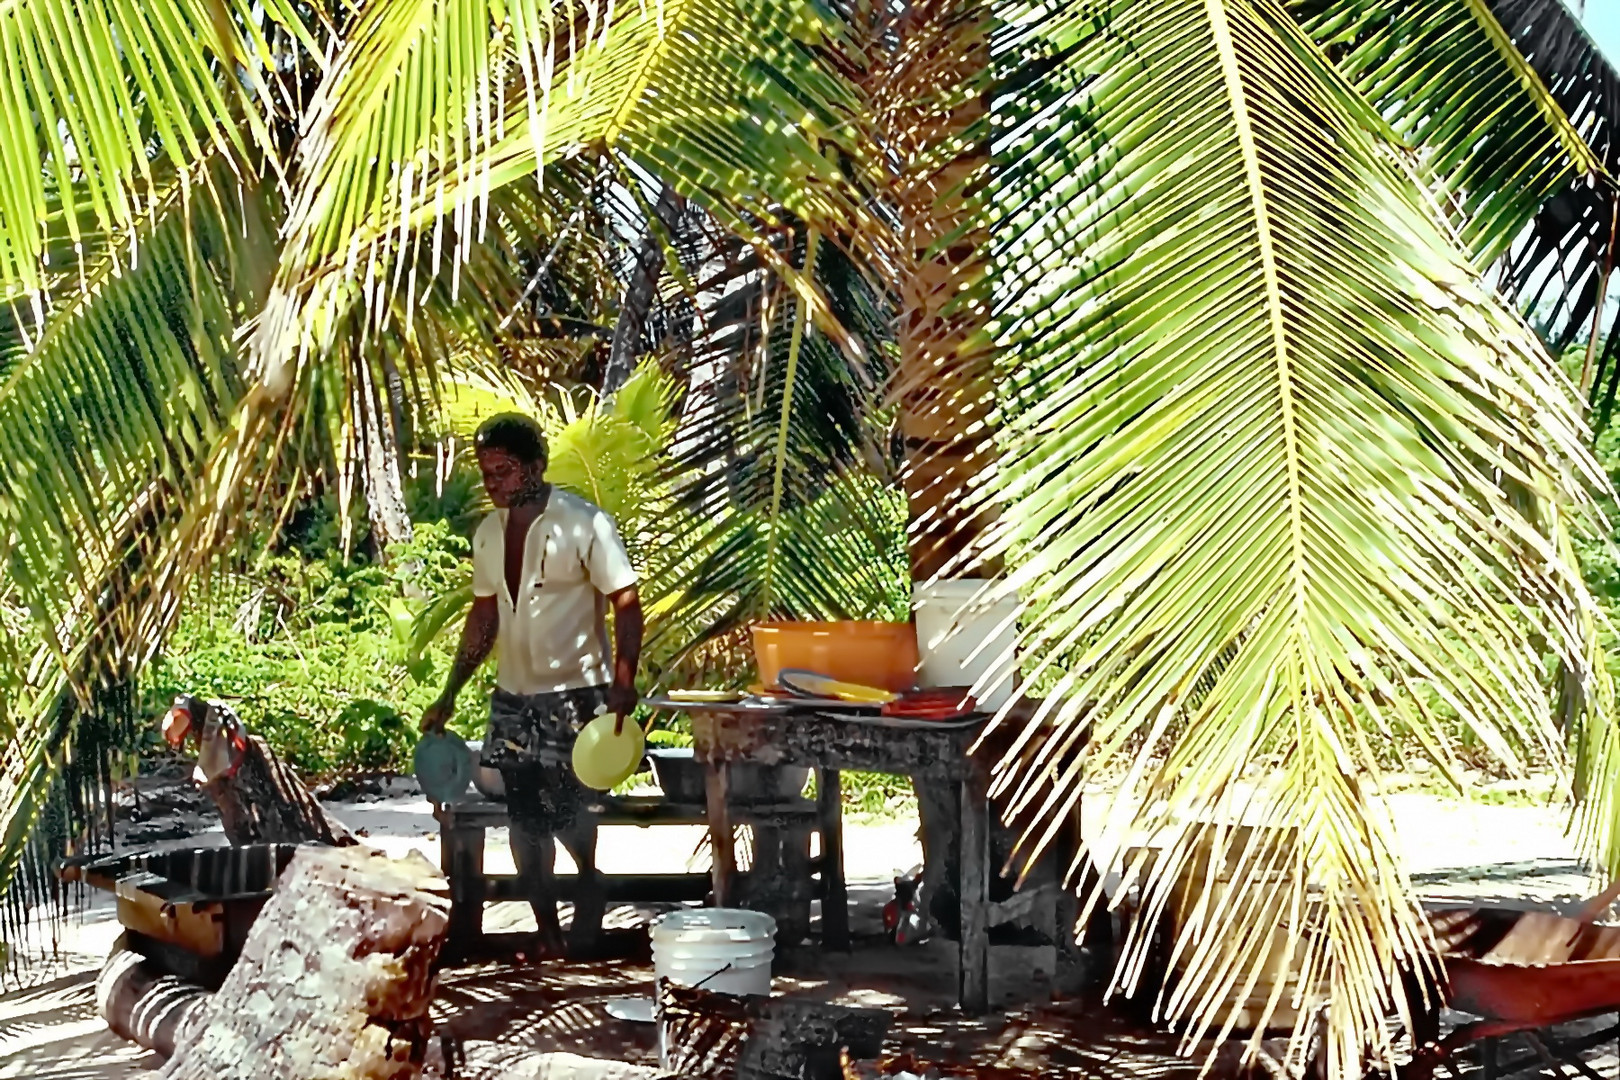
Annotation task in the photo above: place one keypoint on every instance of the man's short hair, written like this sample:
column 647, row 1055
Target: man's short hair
column 515, row 434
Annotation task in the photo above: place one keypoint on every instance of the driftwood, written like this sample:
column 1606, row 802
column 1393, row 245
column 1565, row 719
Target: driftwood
column 259, row 798
column 142, row 1003
column 263, row 801
column 759, row 1038
column 335, row 979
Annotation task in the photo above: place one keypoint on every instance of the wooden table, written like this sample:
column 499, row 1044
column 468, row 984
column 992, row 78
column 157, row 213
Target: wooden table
column 464, row 823
column 831, row 741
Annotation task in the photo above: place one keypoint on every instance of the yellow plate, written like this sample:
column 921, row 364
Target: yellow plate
column 809, row 682
column 603, row 760
column 704, row 695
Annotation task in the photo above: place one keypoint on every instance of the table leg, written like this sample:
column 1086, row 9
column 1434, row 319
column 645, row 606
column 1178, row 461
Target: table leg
column 974, row 888
column 721, row 838
column 462, row 860
column 834, row 896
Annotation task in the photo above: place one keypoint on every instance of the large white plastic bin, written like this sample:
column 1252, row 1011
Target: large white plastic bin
column 966, row 631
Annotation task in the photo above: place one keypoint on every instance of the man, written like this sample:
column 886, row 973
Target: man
column 546, row 566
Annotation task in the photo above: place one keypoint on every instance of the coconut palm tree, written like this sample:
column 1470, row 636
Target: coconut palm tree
column 1203, row 343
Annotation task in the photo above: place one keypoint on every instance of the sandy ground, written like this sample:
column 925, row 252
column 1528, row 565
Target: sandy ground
column 50, row 1028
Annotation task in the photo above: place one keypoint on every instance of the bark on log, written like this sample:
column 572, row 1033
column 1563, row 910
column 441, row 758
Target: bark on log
column 141, row 1003
column 263, row 802
column 259, row 798
column 335, row 979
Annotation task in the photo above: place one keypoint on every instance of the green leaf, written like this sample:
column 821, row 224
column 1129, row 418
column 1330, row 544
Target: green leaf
column 90, row 91
column 1277, row 471
column 1453, row 83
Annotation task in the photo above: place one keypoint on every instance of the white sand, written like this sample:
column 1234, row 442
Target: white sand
column 52, row 1029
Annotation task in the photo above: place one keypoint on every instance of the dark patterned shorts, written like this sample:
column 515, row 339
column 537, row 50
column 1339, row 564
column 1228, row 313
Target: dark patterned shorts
column 531, row 741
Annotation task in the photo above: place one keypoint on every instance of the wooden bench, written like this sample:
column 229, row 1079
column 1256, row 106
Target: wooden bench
column 782, row 887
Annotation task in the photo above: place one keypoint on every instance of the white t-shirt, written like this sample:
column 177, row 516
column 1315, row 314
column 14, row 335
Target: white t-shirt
column 552, row 634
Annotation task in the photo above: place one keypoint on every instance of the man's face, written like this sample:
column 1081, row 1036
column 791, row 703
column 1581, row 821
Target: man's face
column 506, row 477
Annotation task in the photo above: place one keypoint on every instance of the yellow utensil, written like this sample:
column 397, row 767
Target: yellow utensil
column 808, row 682
column 697, row 696
column 603, row 760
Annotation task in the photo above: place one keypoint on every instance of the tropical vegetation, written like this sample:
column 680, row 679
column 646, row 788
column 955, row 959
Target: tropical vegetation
column 1222, row 332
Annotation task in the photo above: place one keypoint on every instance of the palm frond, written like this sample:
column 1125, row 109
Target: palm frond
column 93, row 94
column 1455, row 82
column 129, row 385
column 1278, row 474
column 724, row 89
column 1514, row 107
column 106, row 414
column 415, row 126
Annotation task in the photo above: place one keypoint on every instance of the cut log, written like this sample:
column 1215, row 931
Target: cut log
column 335, row 978
column 143, row 1004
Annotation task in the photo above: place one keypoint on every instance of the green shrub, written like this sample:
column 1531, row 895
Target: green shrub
column 314, row 654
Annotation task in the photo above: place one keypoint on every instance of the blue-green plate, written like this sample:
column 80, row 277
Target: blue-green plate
column 443, row 766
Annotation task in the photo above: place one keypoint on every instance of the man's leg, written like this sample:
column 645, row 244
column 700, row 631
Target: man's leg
column 590, row 900
column 534, row 850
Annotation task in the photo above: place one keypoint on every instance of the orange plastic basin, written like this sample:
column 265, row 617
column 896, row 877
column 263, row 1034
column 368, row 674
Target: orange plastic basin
column 880, row 654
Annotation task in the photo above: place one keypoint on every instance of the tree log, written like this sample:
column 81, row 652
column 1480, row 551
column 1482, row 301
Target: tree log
column 142, row 1003
column 335, row 978
column 260, row 799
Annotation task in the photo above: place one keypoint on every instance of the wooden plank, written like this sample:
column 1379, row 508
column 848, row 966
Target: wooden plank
column 198, row 929
column 639, row 810
column 974, row 947
column 462, row 857
column 620, row 888
column 834, row 895
column 833, row 741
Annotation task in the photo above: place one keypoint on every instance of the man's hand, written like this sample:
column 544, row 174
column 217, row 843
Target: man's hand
column 622, row 695
column 621, row 701
column 437, row 715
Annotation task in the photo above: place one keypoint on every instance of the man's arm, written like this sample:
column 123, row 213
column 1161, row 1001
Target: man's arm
column 627, row 625
column 477, row 639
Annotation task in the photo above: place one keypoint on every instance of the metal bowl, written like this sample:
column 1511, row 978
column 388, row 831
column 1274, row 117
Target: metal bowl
column 488, row 781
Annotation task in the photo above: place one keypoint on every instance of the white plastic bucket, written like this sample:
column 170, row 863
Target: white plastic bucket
column 965, row 637
column 720, row 949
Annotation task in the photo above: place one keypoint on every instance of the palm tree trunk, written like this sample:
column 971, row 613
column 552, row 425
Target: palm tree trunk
column 936, row 119
column 640, row 294
column 381, row 476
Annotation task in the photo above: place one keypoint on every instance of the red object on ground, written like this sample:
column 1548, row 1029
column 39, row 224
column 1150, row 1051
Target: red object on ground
column 1519, row 971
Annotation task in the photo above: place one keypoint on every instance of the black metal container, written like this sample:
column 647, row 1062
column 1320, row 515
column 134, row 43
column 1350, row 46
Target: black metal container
column 188, row 910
